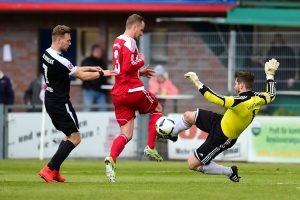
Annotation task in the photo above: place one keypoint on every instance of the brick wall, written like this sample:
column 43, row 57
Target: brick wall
column 21, row 32
column 182, row 60
column 23, row 68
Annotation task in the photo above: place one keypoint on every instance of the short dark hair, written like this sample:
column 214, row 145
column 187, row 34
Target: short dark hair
column 245, row 77
column 133, row 19
column 60, row 30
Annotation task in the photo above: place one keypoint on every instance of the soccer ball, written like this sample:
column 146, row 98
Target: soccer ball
column 164, row 126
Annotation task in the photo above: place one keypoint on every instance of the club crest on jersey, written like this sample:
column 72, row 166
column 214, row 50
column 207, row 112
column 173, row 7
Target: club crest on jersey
column 70, row 66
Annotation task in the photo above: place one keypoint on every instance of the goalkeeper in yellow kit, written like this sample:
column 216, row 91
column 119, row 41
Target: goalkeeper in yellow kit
column 223, row 130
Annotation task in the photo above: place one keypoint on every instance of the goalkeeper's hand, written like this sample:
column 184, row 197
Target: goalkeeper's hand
column 270, row 68
column 194, row 78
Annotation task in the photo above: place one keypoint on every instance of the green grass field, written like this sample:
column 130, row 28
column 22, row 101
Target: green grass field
column 143, row 180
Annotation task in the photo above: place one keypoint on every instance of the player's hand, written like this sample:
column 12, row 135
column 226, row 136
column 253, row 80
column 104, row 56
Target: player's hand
column 146, row 72
column 194, row 79
column 141, row 56
column 93, row 69
column 270, row 68
column 99, row 68
column 110, row 73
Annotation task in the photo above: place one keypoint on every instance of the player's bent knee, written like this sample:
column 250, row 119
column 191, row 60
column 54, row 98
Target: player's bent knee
column 193, row 163
column 76, row 141
column 190, row 165
column 189, row 117
column 75, row 138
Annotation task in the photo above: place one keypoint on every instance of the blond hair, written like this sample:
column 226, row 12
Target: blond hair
column 133, row 19
column 59, row 31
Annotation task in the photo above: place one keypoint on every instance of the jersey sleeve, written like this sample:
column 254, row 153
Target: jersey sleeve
column 65, row 62
column 211, row 96
column 133, row 62
column 72, row 69
column 270, row 94
column 130, row 56
column 117, row 57
column 125, row 56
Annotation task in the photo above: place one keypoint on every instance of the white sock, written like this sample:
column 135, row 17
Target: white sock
column 180, row 125
column 214, row 168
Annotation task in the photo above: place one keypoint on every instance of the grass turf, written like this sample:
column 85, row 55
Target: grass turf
column 145, row 180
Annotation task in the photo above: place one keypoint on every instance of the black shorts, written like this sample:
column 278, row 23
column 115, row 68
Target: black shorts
column 63, row 116
column 216, row 142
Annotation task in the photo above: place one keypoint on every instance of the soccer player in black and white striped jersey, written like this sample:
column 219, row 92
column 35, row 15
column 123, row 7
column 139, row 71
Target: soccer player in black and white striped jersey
column 57, row 71
column 223, row 130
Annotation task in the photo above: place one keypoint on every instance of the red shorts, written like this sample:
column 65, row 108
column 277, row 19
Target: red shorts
column 126, row 105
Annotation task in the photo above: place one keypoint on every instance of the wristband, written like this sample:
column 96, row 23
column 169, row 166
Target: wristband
column 268, row 76
column 101, row 74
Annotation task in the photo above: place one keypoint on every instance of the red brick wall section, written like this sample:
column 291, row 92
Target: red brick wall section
column 23, row 68
column 209, row 69
column 23, row 38
column 21, row 32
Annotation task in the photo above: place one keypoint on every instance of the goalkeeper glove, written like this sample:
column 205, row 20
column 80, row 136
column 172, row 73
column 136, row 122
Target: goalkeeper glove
column 270, row 68
column 194, row 78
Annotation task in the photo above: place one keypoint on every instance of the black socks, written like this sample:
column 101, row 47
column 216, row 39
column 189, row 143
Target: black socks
column 63, row 151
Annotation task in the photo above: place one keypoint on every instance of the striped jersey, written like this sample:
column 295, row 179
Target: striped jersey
column 241, row 109
column 127, row 63
column 57, row 71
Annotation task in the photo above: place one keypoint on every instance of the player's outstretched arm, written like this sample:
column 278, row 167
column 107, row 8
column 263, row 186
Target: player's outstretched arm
column 208, row 94
column 109, row 73
column 192, row 76
column 89, row 73
column 90, row 68
column 270, row 69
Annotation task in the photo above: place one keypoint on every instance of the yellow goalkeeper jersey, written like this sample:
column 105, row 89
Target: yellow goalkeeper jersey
column 240, row 109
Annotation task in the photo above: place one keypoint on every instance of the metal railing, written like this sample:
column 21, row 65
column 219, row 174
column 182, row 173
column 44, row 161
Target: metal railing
column 215, row 56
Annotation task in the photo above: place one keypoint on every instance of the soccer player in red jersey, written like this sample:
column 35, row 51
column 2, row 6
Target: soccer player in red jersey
column 129, row 93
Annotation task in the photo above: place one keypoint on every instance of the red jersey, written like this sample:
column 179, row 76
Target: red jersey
column 127, row 64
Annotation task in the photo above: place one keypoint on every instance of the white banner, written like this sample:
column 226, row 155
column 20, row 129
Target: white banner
column 191, row 139
column 98, row 130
